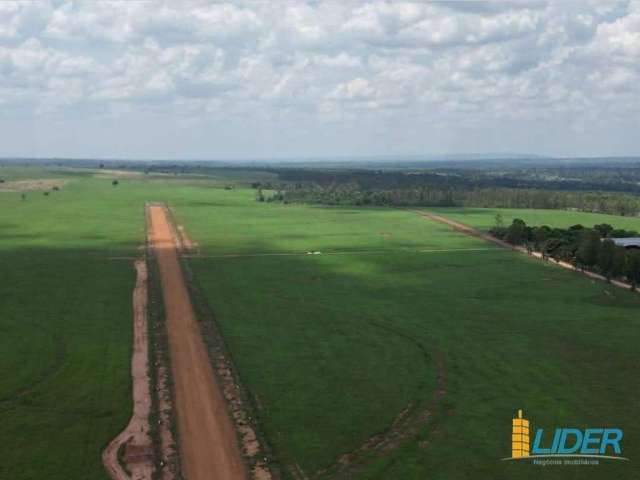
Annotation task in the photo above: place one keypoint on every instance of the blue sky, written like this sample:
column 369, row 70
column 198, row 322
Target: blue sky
column 212, row 80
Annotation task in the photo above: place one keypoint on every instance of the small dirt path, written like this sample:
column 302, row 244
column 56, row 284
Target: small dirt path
column 466, row 229
column 134, row 439
column 207, row 440
column 461, row 227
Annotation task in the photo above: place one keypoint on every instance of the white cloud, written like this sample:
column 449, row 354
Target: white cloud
column 311, row 67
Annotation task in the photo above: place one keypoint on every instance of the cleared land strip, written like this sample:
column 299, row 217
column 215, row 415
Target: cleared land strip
column 466, row 229
column 208, row 444
column 135, row 437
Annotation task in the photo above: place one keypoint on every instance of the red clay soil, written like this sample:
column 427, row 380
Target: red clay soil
column 135, row 437
column 167, row 443
column 207, row 440
column 187, row 246
column 461, row 227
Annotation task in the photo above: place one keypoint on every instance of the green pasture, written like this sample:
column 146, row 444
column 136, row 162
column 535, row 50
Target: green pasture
column 333, row 347
column 65, row 323
column 66, row 277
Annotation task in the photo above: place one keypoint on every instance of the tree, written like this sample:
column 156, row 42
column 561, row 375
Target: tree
column 619, row 259
column 115, row 183
column 632, row 267
column 621, row 233
column 606, row 254
column 604, row 229
column 540, row 236
column 587, row 253
column 499, row 221
column 23, row 196
column 517, row 232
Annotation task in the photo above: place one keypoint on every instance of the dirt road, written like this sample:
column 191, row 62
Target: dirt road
column 466, row 229
column 461, row 227
column 135, row 437
column 208, row 445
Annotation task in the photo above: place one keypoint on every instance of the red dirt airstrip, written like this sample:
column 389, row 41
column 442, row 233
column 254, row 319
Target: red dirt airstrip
column 207, row 440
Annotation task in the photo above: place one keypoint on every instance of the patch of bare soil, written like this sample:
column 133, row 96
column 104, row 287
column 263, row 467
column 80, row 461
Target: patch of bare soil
column 206, row 436
column 118, row 173
column 186, row 245
column 249, row 442
column 30, row 185
column 134, row 443
column 167, row 443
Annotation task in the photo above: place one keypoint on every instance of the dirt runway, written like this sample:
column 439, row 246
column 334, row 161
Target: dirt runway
column 206, row 436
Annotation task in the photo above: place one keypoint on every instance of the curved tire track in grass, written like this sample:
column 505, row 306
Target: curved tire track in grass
column 49, row 372
column 406, row 424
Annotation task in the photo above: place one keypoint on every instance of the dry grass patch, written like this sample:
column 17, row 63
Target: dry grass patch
column 30, row 185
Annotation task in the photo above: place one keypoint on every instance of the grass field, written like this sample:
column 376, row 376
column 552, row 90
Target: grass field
column 66, row 328
column 65, row 319
column 333, row 347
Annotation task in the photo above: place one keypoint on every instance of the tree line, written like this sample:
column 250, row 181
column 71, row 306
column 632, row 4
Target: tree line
column 585, row 248
column 457, row 196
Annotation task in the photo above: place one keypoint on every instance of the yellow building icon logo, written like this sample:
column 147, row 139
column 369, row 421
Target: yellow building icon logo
column 520, row 437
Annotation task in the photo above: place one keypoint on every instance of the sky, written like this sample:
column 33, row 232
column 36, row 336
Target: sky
column 294, row 79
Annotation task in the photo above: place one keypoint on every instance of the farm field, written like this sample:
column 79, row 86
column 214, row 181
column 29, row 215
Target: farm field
column 333, row 346
column 66, row 329
column 66, row 279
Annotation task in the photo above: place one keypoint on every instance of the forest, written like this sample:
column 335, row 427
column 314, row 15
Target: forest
column 613, row 190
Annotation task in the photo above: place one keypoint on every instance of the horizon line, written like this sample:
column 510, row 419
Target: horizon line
column 427, row 158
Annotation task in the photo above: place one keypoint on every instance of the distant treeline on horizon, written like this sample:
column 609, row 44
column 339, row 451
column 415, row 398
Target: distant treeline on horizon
column 594, row 189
